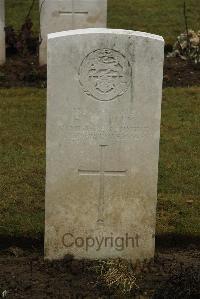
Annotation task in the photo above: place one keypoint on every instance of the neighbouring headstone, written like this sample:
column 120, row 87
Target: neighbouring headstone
column 103, row 128
column 2, row 33
column 59, row 15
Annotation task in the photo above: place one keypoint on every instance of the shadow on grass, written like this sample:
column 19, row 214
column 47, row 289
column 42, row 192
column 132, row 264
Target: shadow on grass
column 163, row 241
column 172, row 240
column 25, row 243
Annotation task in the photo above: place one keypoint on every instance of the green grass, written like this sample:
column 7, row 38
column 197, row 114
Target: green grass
column 22, row 159
column 163, row 17
column 22, row 156
column 179, row 166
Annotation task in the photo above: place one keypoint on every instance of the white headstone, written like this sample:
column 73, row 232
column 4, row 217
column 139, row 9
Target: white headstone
column 103, row 128
column 59, row 15
column 2, row 33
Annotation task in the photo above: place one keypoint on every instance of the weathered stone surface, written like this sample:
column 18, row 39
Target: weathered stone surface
column 2, row 32
column 103, row 128
column 69, row 14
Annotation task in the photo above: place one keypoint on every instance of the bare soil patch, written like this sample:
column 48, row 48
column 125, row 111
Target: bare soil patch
column 180, row 73
column 174, row 273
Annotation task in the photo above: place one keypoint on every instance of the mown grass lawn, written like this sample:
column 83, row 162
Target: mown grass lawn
column 22, row 159
column 179, row 175
column 22, row 156
column 163, row 17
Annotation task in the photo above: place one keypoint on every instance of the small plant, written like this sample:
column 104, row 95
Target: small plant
column 187, row 46
column 22, row 42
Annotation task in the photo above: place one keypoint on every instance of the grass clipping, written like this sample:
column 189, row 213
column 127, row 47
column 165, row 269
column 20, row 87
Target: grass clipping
column 117, row 274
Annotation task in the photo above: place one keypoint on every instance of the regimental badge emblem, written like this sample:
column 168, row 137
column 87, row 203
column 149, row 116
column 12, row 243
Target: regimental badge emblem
column 105, row 74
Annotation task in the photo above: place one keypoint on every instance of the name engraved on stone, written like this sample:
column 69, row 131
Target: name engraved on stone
column 105, row 74
column 102, row 173
column 82, row 133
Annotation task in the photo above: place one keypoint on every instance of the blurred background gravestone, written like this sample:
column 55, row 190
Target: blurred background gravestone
column 62, row 15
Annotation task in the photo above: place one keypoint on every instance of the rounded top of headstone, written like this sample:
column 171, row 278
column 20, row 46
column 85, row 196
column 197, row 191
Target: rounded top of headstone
column 105, row 31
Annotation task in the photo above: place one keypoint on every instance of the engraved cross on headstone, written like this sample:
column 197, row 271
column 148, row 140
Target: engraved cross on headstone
column 102, row 173
column 73, row 13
